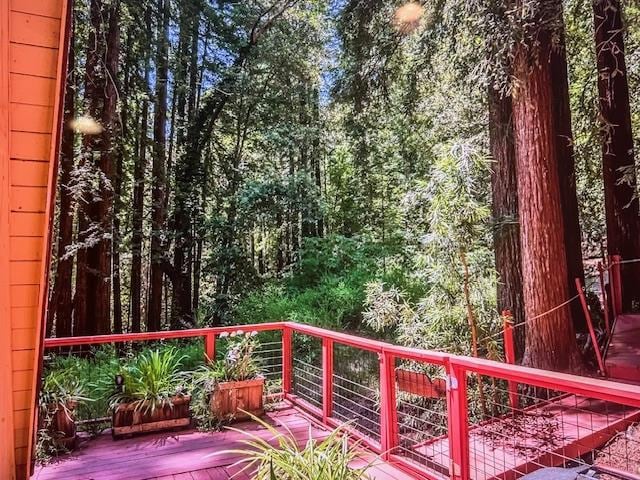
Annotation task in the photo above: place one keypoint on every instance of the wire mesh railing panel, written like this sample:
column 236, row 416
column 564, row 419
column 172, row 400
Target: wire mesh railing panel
column 422, row 415
column 356, row 390
column 517, row 429
column 307, row 369
column 269, row 355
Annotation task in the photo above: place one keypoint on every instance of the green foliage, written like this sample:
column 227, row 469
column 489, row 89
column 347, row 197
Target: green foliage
column 238, row 364
column 457, row 232
column 150, row 380
column 327, row 287
column 327, row 459
column 60, row 391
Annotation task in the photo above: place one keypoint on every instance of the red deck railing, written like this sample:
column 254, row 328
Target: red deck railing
column 473, row 428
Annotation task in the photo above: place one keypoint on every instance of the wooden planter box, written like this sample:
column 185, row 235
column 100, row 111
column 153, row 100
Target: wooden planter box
column 63, row 425
column 128, row 420
column 231, row 400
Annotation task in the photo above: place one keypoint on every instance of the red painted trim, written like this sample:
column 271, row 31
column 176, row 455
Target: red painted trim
column 458, row 422
column 429, row 356
column 287, row 360
column 162, row 335
column 615, row 284
column 327, row 379
column 388, row 407
column 210, row 347
column 510, row 356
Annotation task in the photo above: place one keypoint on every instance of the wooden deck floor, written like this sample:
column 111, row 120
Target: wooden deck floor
column 622, row 360
column 185, row 455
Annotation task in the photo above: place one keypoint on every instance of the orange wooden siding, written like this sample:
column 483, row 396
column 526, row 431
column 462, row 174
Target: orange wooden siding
column 33, row 72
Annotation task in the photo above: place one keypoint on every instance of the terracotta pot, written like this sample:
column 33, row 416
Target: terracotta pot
column 130, row 418
column 63, row 425
column 230, row 400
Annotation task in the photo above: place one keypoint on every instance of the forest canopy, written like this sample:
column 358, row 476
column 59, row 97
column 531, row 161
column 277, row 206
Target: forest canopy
column 408, row 170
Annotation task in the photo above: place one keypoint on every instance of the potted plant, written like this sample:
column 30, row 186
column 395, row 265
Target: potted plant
column 233, row 386
column 150, row 396
column 283, row 456
column 60, row 396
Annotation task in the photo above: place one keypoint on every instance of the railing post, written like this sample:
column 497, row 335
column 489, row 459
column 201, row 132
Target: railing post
column 327, row 379
column 458, row 422
column 510, row 356
column 287, row 360
column 615, row 284
column 388, row 408
column 592, row 332
column 605, row 299
column 210, row 347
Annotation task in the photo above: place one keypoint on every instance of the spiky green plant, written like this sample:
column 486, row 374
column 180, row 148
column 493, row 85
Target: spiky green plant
column 151, row 380
column 60, row 391
column 327, row 459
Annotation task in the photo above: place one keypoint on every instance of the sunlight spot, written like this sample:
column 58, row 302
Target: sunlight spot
column 86, row 125
column 407, row 17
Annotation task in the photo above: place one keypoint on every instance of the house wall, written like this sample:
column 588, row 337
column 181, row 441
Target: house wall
column 32, row 66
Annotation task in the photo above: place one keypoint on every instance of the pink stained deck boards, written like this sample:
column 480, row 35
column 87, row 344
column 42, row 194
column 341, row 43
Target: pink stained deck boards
column 189, row 455
column 623, row 354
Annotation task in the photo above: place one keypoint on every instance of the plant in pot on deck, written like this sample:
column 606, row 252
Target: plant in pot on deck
column 150, row 394
column 233, row 387
column 60, row 396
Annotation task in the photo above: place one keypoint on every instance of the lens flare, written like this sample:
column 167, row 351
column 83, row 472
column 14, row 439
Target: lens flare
column 86, row 126
column 407, row 17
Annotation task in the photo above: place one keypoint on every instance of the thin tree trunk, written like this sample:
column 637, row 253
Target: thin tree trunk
column 620, row 183
column 567, row 177
column 550, row 341
column 117, row 140
column 473, row 326
column 96, row 218
column 138, row 193
column 506, row 233
column 158, row 195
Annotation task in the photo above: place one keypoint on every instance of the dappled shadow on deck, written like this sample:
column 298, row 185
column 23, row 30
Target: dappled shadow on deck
column 187, row 454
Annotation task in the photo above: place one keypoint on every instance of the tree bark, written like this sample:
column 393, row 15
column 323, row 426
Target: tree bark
column 62, row 305
column 139, row 167
column 185, row 202
column 550, row 341
column 116, row 144
column 94, row 278
column 567, row 177
column 158, row 194
column 620, row 183
column 506, row 233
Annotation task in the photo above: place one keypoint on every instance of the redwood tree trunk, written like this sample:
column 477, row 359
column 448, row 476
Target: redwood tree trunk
column 550, row 341
column 567, row 174
column 158, row 195
column 96, row 218
column 137, row 215
column 115, row 150
column 620, row 186
column 504, row 191
column 62, row 305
